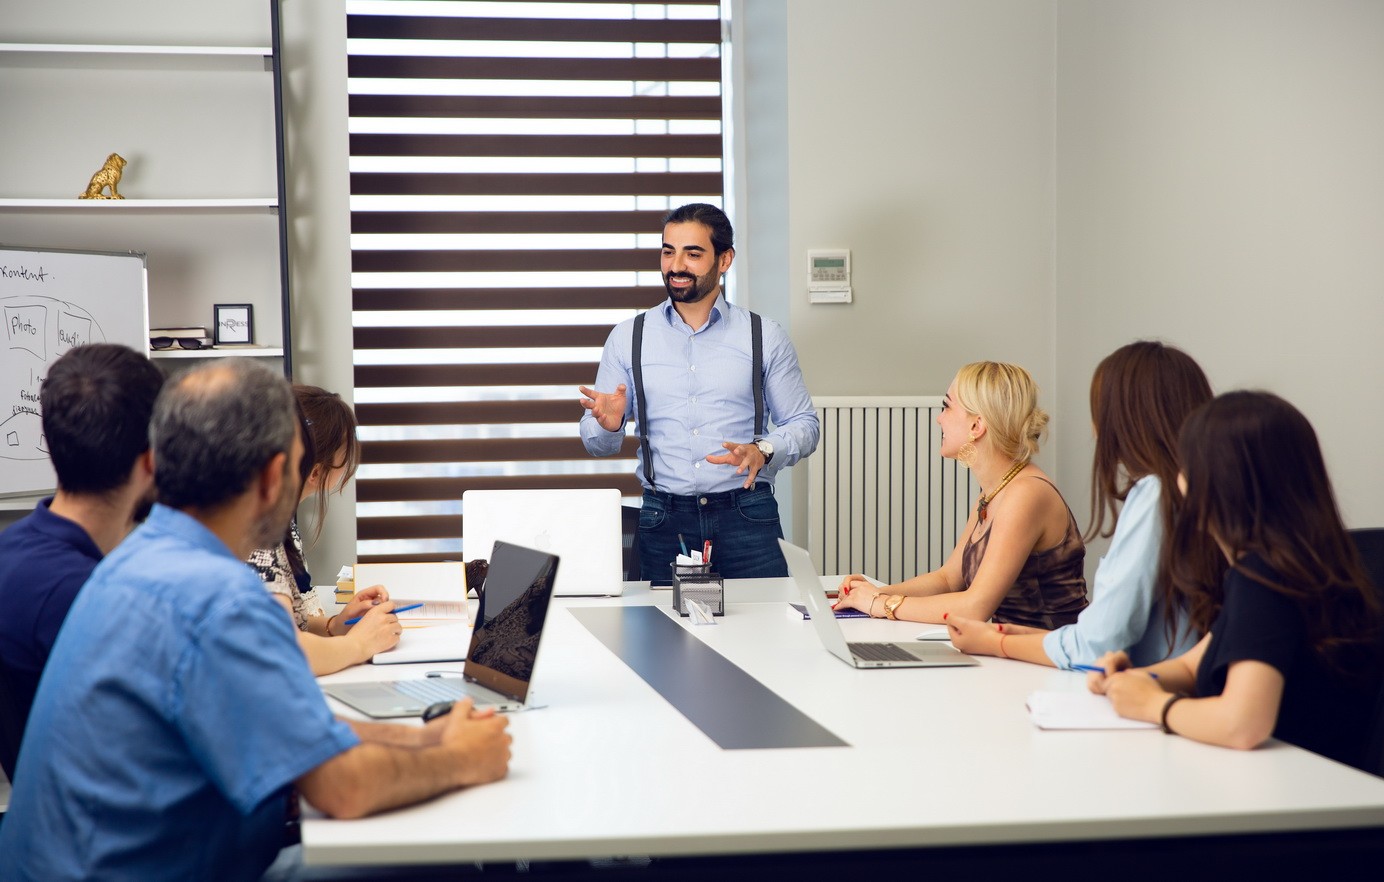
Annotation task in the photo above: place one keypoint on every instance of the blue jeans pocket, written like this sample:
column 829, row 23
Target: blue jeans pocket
column 652, row 514
column 759, row 507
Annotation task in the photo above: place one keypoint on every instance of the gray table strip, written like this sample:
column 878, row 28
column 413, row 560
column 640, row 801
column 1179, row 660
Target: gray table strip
column 731, row 708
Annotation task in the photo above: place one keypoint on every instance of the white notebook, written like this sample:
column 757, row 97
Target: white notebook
column 1077, row 710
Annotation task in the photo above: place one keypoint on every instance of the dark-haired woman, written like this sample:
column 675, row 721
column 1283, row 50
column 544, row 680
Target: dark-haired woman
column 331, row 454
column 1290, row 648
column 1140, row 396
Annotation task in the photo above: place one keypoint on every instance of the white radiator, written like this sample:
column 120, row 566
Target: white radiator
column 882, row 500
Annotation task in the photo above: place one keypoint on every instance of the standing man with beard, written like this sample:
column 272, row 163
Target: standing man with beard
column 95, row 401
column 177, row 713
column 700, row 376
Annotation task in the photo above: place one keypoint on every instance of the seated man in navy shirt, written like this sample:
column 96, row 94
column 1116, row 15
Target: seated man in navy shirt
column 177, row 712
column 96, row 402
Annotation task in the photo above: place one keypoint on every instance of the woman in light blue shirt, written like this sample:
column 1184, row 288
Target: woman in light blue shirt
column 1140, row 396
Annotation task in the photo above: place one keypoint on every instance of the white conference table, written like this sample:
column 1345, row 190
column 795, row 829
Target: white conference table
column 937, row 757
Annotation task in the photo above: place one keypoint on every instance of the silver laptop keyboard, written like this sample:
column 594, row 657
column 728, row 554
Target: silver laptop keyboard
column 433, row 689
column 881, row 652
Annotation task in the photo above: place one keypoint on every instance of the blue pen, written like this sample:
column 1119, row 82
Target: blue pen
column 683, row 543
column 396, row 612
column 1095, row 669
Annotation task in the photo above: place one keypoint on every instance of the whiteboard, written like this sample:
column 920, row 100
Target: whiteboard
column 52, row 300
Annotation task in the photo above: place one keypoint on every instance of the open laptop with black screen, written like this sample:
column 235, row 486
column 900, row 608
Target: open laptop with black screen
column 860, row 655
column 503, row 652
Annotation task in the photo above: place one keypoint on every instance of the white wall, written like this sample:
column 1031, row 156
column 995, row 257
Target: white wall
column 921, row 138
column 315, row 108
column 1044, row 182
column 1221, row 187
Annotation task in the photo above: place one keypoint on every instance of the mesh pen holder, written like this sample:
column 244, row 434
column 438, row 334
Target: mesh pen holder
column 697, row 582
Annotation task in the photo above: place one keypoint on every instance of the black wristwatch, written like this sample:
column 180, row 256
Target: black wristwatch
column 766, row 448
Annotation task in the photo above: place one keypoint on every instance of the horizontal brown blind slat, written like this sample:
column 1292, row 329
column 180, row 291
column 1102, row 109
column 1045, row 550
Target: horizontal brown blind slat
column 391, row 27
column 368, row 299
column 527, row 107
column 505, row 221
column 462, row 68
column 565, row 374
column 536, row 145
column 434, row 489
column 481, row 450
column 446, row 261
column 503, row 337
column 460, row 413
column 595, row 184
column 417, row 527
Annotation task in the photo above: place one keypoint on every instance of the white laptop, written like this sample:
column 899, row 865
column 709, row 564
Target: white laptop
column 581, row 527
column 503, row 647
column 860, row 655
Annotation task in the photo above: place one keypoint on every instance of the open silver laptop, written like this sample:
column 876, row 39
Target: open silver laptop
column 582, row 527
column 503, row 652
column 860, row 655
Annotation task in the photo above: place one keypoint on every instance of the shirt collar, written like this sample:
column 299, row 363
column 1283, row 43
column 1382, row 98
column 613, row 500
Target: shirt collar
column 720, row 308
column 184, row 526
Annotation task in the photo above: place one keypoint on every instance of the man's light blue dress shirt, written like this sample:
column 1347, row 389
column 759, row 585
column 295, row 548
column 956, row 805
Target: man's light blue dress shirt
column 699, row 394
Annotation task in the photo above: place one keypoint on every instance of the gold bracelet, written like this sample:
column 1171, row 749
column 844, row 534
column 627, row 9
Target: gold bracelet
column 1003, row 654
column 329, row 625
column 872, row 605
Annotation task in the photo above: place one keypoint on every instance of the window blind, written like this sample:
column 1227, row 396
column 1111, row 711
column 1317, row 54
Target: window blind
column 511, row 164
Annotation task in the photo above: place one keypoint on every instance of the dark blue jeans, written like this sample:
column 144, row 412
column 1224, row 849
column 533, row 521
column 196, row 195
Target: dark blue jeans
column 743, row 526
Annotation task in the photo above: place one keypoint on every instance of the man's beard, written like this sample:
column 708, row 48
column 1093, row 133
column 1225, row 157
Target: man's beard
column 145, row 505
column 694, row 293
column 271, row 529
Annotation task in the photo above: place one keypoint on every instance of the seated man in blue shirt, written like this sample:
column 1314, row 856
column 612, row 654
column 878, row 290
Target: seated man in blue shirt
column 686, row 371
column 95, row 402
column 177, row 712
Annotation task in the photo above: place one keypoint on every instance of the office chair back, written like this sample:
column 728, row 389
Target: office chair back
column 629, row 541
column 1370, row 544
column 10, row 729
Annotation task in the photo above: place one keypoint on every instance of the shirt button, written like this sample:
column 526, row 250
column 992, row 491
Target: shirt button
column 692, row 368
column 697, row 465
column 696, row 431
column 693, row 399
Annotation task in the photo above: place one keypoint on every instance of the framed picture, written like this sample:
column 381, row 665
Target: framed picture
column 235, row 323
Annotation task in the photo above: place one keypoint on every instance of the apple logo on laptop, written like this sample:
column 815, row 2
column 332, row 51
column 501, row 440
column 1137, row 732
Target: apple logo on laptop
column 542, row 541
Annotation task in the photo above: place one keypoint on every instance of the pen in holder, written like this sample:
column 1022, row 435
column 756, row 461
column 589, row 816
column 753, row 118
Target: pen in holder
column 697, row 582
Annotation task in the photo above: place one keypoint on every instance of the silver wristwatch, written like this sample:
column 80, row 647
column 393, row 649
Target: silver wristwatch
column 765, row 448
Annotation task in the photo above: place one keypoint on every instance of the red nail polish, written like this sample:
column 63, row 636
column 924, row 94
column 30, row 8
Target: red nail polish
column 1001, row 628
column 944, row 615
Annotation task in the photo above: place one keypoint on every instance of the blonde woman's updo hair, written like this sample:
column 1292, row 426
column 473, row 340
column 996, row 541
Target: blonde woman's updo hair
column 1006, row 397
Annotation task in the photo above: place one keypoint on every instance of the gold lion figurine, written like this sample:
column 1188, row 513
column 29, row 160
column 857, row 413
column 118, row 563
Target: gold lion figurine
column 108, row 176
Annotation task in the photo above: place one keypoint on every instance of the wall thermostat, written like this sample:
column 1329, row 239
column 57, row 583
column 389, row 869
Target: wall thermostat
column 829, row 276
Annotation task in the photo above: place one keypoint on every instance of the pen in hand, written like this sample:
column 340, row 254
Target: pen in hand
column 396, row 612
column 1097, row 669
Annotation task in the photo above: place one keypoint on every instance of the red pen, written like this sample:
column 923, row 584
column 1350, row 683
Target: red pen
column 706, row 552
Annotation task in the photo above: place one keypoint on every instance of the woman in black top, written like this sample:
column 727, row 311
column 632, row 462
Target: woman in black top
column 1291, row 627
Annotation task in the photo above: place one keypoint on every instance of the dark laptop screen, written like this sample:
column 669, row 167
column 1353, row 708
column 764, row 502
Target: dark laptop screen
column 509, row 619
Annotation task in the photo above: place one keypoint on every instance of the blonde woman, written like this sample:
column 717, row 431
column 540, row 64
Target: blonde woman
column 1020, row 557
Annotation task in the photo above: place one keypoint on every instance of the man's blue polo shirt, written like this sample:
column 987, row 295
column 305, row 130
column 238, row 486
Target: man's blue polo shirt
column 44, row 560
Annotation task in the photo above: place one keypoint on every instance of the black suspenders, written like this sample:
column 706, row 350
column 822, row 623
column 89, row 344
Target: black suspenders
column 637, row 366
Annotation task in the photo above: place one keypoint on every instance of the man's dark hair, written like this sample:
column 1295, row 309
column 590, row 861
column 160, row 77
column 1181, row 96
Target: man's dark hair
column 96, row 402
column 709, row 216
column 215, row 428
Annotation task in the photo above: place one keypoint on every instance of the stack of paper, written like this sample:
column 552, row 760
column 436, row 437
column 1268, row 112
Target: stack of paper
column 1078, row 710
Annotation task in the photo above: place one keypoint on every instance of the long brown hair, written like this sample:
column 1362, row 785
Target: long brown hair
column 331, row 426
column 1256, row 481
column 1140, row 396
